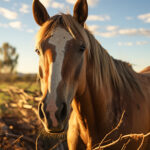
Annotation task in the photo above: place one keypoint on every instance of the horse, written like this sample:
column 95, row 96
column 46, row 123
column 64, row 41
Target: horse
column 85, row 90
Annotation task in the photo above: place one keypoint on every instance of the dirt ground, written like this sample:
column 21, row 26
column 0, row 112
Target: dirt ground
column 20, row 127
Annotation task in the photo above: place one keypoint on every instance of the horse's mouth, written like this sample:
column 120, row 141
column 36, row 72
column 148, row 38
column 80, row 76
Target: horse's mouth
column 62, row 130
column 62, row 134
column 58, row 134
column 58, row 131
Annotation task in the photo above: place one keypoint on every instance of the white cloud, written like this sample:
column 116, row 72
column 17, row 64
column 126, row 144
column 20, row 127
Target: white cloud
column 142, row 42
column 6, row 0
column 128, row 31
column 91, row 3
column 125, row 44
column 93, row 28
column 145, row 32
column 30, row 30
column 46, row 3
column 131, row 44
column 71, row 1
column 52, row 3
column 24, row 8
column 98, row 18
column 129, row 18
column 145, row 17
column 57, row 5
column 112, row 31
column 107, row 34
column 8, row 13
column 111, row 28
column 15, row 25
column 134, row 32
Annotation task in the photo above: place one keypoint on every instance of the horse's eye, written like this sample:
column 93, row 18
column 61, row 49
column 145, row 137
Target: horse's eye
column 82, row 48
column 37, row 51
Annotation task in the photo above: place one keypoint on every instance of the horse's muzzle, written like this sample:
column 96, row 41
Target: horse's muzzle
column 54, row 122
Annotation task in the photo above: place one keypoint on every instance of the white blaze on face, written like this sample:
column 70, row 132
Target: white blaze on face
column 59, row 39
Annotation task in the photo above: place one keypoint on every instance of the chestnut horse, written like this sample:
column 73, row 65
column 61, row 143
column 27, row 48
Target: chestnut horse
column 85, row 90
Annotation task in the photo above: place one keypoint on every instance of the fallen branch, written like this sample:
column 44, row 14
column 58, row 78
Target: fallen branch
column 14, row 142
column 11, row 90
column 133, row 136
column 35, row 112
column 130, row 136
column 10, row 135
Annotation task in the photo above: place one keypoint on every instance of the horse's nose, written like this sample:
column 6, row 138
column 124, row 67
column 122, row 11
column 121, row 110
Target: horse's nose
column 61, row 113
column 52, row 116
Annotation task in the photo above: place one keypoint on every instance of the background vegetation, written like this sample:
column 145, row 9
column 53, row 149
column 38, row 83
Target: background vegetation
column 20, row 94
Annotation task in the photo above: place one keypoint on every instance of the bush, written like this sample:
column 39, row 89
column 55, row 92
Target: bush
column 17, row 77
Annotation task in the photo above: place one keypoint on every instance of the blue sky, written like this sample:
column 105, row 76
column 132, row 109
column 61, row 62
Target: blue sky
column 121, row 26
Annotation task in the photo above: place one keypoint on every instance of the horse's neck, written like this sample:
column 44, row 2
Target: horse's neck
column 92, row 109
column 101, row 100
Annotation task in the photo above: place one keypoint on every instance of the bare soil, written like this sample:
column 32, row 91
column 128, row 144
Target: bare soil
column 20, row 127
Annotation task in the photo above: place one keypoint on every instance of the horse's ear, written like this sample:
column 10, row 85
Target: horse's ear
column 80, row 12
column 39, row 12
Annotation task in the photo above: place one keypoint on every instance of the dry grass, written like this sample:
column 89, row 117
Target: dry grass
column 19, row 122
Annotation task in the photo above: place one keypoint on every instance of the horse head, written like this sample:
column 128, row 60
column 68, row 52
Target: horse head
column 62, row 64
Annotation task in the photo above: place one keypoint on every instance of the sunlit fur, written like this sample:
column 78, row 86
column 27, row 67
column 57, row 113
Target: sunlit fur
column 106, row 69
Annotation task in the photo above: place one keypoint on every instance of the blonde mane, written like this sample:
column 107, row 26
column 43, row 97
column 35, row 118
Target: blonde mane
column 106, row 69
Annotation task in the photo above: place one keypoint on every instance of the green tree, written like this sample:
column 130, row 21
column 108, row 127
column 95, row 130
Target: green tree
column 8, row 58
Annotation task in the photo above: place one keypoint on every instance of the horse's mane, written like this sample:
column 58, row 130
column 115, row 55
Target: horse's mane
column 106, row 69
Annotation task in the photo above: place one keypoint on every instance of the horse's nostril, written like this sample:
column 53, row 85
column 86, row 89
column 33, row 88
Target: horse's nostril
column 62, row 112
column 40, row 111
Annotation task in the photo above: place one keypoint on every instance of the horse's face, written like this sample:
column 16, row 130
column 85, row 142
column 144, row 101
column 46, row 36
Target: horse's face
column 62, row 70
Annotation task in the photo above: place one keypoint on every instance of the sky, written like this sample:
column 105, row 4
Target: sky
column 121, row 26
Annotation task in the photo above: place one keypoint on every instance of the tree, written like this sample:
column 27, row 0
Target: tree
column 8, row 58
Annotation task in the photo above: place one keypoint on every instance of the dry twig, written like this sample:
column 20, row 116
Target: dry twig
column 10, row 135
column 113, row 130
column 125, row 145
column 14, row 142
column 122, row 137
